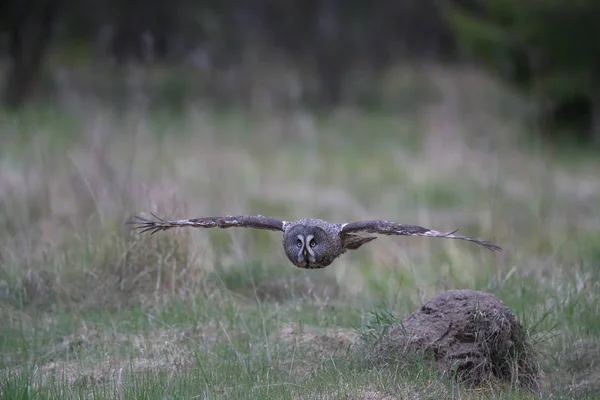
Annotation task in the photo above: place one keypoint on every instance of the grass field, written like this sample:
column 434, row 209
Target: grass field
column 90, row 310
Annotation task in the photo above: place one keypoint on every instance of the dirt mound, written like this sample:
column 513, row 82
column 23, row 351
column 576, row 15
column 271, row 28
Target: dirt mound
column 471, row 335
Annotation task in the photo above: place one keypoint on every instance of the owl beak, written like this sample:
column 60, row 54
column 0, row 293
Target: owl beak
column 305, row 252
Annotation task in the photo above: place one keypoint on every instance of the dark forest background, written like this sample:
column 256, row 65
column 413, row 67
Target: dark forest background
column 547, row 49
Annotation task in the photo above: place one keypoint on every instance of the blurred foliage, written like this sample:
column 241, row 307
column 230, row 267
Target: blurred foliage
column 330, row 36
column 547, row 48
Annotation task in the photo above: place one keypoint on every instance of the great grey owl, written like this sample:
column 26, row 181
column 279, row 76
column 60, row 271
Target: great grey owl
column 308, row 243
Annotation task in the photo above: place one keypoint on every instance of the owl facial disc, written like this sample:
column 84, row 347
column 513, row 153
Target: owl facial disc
column 305, row 254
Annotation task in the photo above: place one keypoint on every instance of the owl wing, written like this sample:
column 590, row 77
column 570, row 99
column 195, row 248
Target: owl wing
column 228, row 221
column 393, row 228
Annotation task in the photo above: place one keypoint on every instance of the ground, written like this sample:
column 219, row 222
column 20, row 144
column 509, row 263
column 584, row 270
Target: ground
column 90, row 309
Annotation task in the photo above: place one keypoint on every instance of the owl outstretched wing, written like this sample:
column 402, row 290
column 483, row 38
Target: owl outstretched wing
column 393, row 228
column 228, row 221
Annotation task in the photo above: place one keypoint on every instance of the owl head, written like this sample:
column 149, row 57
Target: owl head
column 308, row 246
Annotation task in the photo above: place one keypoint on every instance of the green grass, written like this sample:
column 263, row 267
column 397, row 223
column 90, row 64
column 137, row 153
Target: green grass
column 90, row 310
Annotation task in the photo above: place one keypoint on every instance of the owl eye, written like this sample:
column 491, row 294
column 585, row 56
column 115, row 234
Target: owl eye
column 313, row 243
column 299, row 243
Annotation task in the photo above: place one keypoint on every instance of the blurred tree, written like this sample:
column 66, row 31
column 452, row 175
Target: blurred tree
column 332, row 37
column 29, row 26
column 550, row 48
